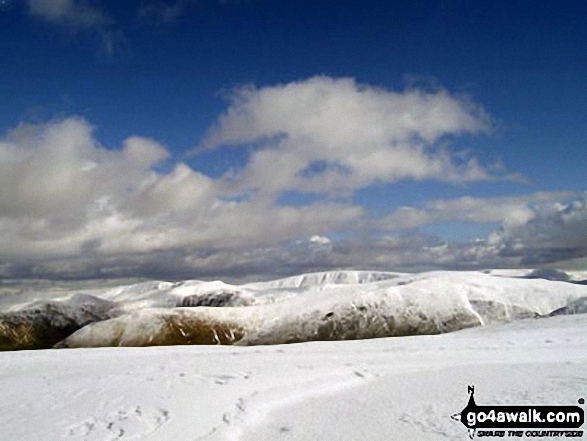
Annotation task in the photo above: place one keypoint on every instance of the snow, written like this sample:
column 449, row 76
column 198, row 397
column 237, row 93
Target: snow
column 427, row 303
column 519, row 340
column 380, row 389
column 337, row 305
column 41, row 324
column 325, row 278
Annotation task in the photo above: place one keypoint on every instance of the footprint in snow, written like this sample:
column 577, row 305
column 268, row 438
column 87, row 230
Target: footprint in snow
column 132, row 422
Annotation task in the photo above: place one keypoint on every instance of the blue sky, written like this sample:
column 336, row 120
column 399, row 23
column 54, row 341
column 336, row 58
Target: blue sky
column 513, row 73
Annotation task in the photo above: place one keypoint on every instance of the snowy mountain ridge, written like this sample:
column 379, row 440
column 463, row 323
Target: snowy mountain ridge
column 336, row 305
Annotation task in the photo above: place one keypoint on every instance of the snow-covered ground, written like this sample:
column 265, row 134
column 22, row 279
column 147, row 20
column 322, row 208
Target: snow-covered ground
column 395, row 388
column 379, row 389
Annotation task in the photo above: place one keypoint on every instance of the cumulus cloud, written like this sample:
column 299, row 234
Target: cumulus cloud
column 335, row 135
column 62, row 194
column 540, row 228
column 320, row 240
column 509, row 211
column 550, row 232
column 556, row 232
column 72, row 207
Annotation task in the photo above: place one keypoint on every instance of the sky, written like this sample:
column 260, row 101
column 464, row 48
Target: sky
column 250, row 139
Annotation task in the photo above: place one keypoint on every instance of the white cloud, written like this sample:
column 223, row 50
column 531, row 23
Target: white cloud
column 320, row 240
column 557, row 231
column 508, row 211
column 551, row 233
column 71, row 207
column 548, row 232
column 334, row 135
column 62, row 194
